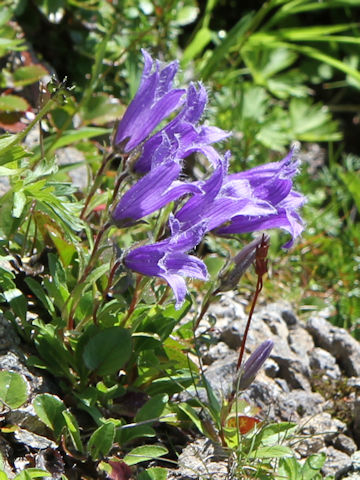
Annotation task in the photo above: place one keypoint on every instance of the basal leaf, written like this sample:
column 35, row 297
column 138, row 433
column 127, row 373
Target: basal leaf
column 13, row 389
column 275, row 451
column 153, row 408
column 144, row 454
column 49, row 408
column 73, row 430
column 101, row 441
column 108, row 350
column 153, row 473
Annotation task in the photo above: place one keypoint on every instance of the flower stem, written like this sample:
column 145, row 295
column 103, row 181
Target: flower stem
column 106, row 160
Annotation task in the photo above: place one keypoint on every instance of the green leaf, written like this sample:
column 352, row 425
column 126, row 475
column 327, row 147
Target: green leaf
column 154, row 473
column 49, row 408
column 101, row 441
column 53, row 351
column 13, row 103
column 101, row 108
column 17, row 301
column 289, row 468
column 311, row 122
column 126, row 435
column 276, row 451
column 236, row 35
column 73, row 430
column 144, row 454
column 313, row 465
column 192, row 414
column 108, row 350
column 31, row 473
column 19, row 204
column 7, row 45
column 7, row 172
column 28, row 75
column 38, row 291
column 13, row 389
column 153, row 408
column 186, row 15
column 352, row 183
column 199, row 42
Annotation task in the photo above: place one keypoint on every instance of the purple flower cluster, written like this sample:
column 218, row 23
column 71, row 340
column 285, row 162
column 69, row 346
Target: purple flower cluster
column 257, row 199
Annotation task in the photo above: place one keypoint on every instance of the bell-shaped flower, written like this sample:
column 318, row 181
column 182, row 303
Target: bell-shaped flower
column 271, row 183
column 154, row 101
column 254, row 363
column 155, row 189
column 220, row 200
column 168, row 259
column 184, row 130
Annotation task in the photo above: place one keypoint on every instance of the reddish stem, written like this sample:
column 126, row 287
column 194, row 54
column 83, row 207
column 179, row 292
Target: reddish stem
column 260, row 269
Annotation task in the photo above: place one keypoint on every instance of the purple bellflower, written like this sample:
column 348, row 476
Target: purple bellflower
column 168, row 259
column 154, row 190
column 254, row 363
column 271, row 183
column 257, row 199
column 154, row 101
column 183, row 129
column 221, row 200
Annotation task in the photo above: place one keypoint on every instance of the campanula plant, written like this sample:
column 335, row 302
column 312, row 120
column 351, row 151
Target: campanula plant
column 117, row 275
column 256, row 199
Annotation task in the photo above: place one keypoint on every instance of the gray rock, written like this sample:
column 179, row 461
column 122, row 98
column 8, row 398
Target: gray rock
column 216, row 352
column 295, row 405
column 221, row 375
column 323, row 426
column 33, row 440
column 356, row 411
column 8, row 337
column 14, row 361
column 6, row 453
column 338, row 342
column 345, row 444
column 323, row 361
column 300, row 341
column 335, row 461
column 201, row 460
column 290, row 318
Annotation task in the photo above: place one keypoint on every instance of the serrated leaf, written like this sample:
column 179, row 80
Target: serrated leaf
column 101, row 441
column 13, row 389
column 8, row 172
column 144, row 454
column 108, row 351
